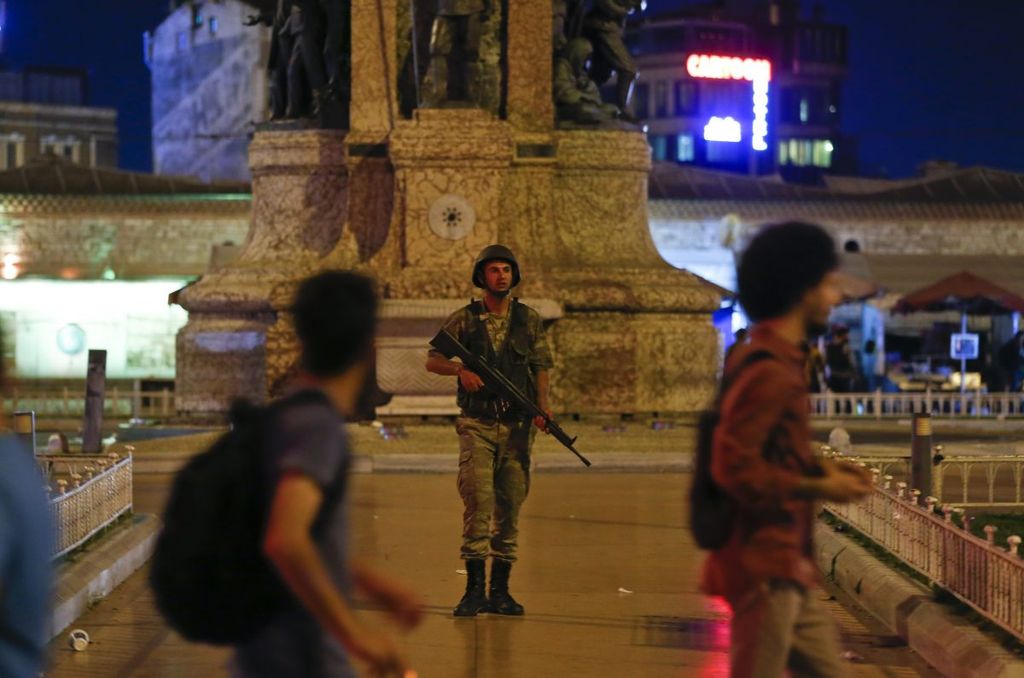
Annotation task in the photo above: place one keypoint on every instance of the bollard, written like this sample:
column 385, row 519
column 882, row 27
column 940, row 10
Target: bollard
column 901, row 489
column 1014, row 542
column 930, row 502
column 25, row 428
column 990, row 534
column 888, row 482
column 915, row 497
column 921, row 452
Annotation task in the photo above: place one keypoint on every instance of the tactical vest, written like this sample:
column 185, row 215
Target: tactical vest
column 512, row 361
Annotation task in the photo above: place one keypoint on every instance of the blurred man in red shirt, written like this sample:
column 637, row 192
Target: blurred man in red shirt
column 762, row 460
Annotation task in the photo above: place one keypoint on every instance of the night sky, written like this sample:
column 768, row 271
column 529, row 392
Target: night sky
column 929, row 79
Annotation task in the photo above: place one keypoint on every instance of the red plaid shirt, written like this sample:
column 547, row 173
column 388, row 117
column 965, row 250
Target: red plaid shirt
column 771, row 538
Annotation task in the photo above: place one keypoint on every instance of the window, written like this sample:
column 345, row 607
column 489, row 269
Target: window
column 65, row 147
column 806, row 152
column 659, row 148
column 12, row 151
column 214, row 25
column 686, row 97
column 661, row 99
column 684, row 148
column 808, row 105
column 641, row 100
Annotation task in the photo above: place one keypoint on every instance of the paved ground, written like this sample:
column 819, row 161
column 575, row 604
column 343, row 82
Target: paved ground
column 608, row 576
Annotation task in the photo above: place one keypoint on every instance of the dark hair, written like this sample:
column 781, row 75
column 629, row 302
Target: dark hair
column 780, row 265
column 335, row 315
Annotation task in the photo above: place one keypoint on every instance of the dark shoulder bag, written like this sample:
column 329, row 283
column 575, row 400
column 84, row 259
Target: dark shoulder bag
column 712, row 511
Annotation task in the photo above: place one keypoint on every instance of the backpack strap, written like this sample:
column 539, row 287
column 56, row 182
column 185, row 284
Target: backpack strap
column 729, row 379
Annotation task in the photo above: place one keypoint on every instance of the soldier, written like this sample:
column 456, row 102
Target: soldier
column 577, row 99
column 494, row 438
column 603, row 26
column 458, row 24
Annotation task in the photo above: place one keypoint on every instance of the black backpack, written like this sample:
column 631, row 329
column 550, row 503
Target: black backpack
column 209, row 576
column 712, row 511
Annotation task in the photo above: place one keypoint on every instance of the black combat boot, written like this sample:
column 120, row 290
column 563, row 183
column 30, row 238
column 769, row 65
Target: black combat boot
column 501, row 601
column 474, row 600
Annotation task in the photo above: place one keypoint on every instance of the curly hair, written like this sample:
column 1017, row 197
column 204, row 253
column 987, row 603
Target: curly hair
column 780, row 265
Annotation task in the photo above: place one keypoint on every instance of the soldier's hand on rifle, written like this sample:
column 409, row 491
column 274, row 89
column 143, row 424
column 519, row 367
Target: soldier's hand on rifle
column 470, row 380
column 541, row 422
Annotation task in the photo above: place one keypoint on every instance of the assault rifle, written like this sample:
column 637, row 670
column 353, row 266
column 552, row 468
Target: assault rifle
column 497, row 383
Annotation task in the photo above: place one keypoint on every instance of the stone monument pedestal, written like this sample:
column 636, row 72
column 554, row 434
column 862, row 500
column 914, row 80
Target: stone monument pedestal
column 237, row 342
column 413, row 201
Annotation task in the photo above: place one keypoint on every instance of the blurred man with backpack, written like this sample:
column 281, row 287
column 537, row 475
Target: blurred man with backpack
column 254, row 550
column 335, row 319
column 761, row 463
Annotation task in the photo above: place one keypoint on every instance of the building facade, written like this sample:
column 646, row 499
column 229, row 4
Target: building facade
column 45, row 111
column 88, row 257
column 209, row 88
column 749, row 89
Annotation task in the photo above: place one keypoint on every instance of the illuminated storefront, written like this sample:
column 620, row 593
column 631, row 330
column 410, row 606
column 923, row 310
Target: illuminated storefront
column 88, row 258
column 50, row 325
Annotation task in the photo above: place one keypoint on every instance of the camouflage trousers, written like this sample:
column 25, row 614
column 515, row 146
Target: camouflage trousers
column 494, row 479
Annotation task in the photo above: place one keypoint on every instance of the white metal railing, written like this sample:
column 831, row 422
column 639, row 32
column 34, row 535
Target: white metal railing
column 967, row 480
column 71, row 403
column 879, row 405
column 94, row 492
column 977, row 571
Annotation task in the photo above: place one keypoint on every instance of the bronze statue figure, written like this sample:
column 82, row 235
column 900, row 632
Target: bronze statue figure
column 577, row 99
column 455, row 51
column 603, row 26
column 309, row 59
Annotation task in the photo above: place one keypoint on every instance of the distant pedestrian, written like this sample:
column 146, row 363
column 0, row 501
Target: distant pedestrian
column 839, row 361
column 815, row 367
column 307, row 532
column 762, row 460
column 1011, row 359
column 739, row 338
column 26, row 549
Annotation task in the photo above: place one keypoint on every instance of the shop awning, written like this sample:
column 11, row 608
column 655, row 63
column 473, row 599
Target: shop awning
column 963, row 291
column 901, row 274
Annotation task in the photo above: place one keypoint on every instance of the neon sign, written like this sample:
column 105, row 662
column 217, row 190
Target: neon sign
column 728, row 68
column 756, row 71
column 723, row 129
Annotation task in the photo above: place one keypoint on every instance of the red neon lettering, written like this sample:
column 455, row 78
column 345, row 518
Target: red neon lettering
column 719, row 67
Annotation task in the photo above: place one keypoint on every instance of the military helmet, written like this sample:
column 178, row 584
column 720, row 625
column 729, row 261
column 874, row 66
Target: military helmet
column 490, row 253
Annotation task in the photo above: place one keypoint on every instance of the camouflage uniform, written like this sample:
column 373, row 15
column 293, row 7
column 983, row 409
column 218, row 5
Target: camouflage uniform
column 494, row 441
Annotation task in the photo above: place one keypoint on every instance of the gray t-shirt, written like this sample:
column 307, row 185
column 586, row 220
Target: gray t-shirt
column 309, row 438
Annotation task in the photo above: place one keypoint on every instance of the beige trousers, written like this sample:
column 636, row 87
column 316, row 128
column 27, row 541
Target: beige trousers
column 780, row 625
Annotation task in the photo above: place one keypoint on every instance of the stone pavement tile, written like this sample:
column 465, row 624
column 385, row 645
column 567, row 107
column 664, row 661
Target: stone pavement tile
column 583, row 538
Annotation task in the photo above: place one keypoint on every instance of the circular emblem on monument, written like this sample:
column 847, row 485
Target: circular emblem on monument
column 452, row 217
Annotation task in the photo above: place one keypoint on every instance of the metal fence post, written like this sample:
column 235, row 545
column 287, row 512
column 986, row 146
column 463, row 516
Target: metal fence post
column 25, row 428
